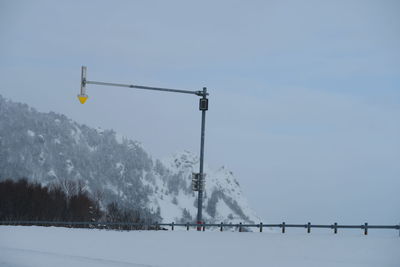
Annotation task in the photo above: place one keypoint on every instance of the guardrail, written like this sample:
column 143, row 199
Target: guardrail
column 221, row 226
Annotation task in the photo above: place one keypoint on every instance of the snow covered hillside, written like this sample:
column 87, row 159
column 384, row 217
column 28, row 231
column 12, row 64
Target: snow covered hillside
column 49, row 246
column 50, row 148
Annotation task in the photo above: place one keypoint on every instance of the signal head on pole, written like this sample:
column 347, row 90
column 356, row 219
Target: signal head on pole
column 203, row 104
column 82, row 96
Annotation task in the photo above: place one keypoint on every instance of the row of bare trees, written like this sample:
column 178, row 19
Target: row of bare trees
column 66, row 201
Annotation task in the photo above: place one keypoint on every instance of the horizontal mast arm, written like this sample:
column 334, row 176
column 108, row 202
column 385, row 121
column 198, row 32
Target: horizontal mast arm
column 199, row 93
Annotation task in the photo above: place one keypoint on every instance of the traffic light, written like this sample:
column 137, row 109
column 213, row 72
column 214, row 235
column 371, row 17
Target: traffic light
column 195, row 184
column 198, row 182
column 203, row 104
column 82, row 96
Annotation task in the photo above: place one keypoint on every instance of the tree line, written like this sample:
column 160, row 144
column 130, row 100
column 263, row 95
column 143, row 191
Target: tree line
column 66, row 201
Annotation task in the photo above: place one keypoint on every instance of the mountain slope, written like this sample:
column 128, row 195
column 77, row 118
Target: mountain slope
column 50, row 148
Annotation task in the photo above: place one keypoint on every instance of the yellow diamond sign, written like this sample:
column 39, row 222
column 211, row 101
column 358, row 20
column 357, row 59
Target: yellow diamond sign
column 82, row 98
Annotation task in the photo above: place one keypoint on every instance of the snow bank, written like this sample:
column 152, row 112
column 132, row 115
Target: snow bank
column 50, row 246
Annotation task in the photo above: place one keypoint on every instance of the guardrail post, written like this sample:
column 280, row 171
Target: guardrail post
column 365, row 228
column 172, row 226
column 221, row 229
column 283, row 227
column 187, row 226
column 308, row 227
column 261, row 227
column 335, row 228
column 240, row 227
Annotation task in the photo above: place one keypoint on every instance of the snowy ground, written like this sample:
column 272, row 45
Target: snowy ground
column 50, row 246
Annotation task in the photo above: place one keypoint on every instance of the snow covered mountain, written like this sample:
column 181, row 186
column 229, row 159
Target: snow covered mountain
column 50, row 148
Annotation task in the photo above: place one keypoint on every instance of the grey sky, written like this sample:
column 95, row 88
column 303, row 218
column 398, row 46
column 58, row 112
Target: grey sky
column 305, row 95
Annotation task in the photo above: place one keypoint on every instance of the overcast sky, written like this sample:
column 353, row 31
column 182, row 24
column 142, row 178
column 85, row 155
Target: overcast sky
column 304, row 95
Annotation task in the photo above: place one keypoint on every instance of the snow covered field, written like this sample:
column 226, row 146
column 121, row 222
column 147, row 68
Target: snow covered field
column 50, row 246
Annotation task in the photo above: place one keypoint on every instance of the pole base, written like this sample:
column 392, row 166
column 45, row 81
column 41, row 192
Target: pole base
column 199, row 227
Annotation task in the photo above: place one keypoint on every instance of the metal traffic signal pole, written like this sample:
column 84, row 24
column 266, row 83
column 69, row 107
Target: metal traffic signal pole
column 202, row 176
column 203, row 106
